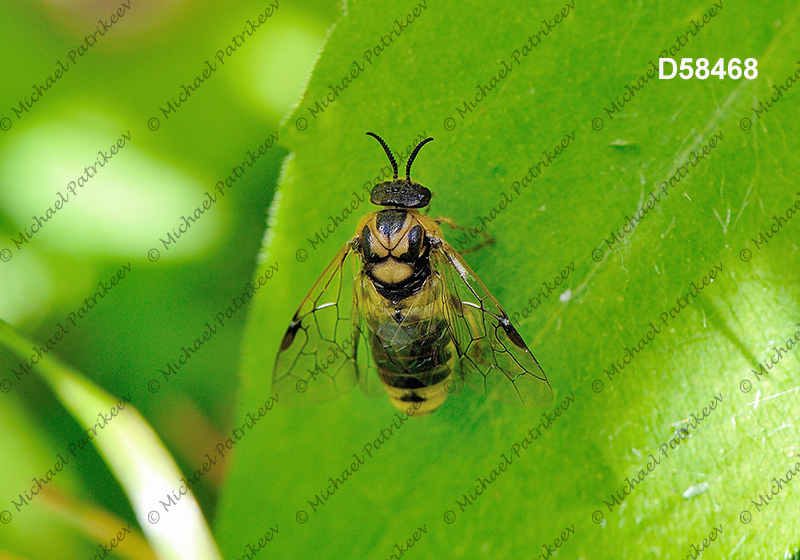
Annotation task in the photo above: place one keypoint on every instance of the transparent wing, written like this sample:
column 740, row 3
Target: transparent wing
column 371, row 311
column 317, row 358
column 494, row 358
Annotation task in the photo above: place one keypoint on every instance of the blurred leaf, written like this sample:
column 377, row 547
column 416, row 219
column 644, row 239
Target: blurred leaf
column 133, row 452
column 97, row 524
column 28, row 448
column 103, row 212
column 122, row 343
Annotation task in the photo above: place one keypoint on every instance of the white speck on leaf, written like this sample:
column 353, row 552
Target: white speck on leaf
column 695, row 490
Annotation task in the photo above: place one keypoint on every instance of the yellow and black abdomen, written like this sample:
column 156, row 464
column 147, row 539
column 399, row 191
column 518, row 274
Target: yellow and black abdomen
column 410, row 341
column 415, row 361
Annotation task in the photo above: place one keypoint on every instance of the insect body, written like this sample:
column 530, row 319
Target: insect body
column 412, row 318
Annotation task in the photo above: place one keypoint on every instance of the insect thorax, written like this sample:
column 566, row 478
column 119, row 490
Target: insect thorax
column 395, row 250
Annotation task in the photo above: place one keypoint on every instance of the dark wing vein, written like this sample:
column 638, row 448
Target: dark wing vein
column 317, row 358
column 494, row 358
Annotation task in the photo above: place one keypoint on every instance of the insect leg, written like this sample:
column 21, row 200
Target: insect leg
column 487, row 239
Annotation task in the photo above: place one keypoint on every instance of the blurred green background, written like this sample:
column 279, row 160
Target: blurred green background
column 117, row 217
column 411, row 87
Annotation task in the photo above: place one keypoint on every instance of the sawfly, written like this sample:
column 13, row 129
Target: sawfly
column 398, row 308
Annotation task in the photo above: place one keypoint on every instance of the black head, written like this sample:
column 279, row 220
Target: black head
column 403, row 193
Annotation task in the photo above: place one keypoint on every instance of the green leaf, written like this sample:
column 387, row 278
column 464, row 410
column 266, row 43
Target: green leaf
column 133, row 452
column 552, row 220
